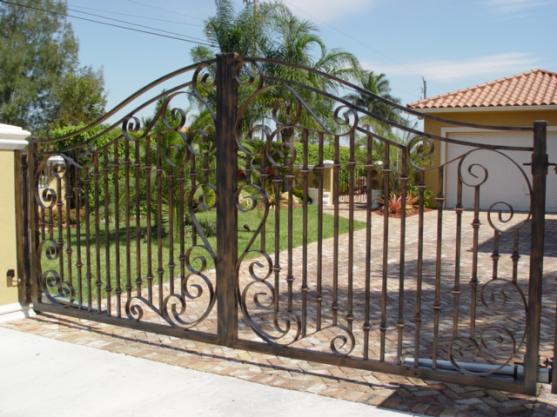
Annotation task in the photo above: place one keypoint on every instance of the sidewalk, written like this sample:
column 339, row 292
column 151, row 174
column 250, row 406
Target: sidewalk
column 45, row 377
column 392, row 393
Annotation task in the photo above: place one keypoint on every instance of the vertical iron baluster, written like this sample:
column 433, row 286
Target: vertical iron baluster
column 42, row 214
column 171, row 264
column 88, row 266
column 160, row 269
column 319, row 169
column 305, row 173
column 60, row 241
column 515, row 256
column 440, row 201
column 367, row 309
column 495, row 254
column 79, row 265
column 193, row 181
column 108, row 283
column 206, row 168
column 181, row 225
column 264, row 177
column 277, row 184
column 419, row 267
column 402, row 252
column 336, row 169
column 248, row 169
column 148, row 168
column 68, row 203
column 474, row 280
column 127, row 214
column 290, row 220
column 351, row 180
column 137, row 163
column 96, row 185
column 385, row 266
column 116, row 181
column 50, row 225
column 458, row 248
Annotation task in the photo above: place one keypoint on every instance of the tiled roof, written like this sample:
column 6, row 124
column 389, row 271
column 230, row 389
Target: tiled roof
column 533, row 88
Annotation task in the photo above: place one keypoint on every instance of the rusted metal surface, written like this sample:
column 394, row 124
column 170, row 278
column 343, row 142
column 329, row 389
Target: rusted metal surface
column 188, row 227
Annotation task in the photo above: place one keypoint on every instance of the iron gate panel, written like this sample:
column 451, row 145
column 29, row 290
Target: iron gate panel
column 122, row 235
column 197, row 223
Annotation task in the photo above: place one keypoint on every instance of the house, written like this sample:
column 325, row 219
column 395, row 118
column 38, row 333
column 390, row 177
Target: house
column 12, row 142
column 517, row 100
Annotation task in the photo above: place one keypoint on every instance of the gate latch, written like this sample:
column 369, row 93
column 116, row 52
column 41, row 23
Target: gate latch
column 11, row 279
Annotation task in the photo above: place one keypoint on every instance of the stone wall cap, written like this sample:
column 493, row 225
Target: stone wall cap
column 13, row 137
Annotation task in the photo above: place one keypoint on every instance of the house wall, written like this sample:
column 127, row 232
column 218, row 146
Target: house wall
column 12, row 143
column 503, row 118
column 8, row 244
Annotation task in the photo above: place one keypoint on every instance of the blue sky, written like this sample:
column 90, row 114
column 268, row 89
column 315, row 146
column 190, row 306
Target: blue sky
column 452, row 43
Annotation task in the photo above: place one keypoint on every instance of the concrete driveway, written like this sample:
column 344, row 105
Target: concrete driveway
column 45, row 377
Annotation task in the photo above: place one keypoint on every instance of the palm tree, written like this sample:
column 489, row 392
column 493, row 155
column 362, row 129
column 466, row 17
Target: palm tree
column 297, row 42
column 244, row 33
column 378, row 84
column 273, row 31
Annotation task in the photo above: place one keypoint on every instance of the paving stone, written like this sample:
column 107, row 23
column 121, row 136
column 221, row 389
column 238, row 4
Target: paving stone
column 375, row 400
column 512, row 406
column 420, row 408
column 457, row 388
column 448, row 412
column 435, row 410
column 424, row 393
column 390, row 391
column 498, row 395
column 465, row 402
column 474, row 394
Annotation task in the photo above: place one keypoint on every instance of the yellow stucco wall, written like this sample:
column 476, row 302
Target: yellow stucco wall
column 8, row 247
column 504, row 118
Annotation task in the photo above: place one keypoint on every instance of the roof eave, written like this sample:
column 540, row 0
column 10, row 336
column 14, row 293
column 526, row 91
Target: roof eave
column 485, row 109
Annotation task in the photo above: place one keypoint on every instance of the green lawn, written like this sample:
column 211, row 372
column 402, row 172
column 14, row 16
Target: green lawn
column 247, row 224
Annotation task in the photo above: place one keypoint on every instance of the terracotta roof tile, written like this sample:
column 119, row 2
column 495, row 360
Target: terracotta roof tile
column 533, row 88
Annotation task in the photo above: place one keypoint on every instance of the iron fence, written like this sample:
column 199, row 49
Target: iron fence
column 189, row 224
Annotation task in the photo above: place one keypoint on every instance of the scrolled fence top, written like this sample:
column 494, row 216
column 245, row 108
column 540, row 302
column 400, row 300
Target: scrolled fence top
column 259, row 63
column 397, row 106
column 197, row 67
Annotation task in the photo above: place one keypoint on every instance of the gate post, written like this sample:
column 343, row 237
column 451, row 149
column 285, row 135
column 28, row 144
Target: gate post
column 22, row 228
column 539, row 173
column 226, row 151
column 32, row 216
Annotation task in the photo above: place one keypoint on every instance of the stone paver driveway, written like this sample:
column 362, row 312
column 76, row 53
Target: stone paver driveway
column 400, row 393
column 498, row 304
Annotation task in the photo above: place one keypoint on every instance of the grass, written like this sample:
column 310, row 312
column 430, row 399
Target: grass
column 139, row 265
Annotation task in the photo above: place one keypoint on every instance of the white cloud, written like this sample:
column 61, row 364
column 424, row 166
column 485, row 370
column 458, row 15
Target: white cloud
column 514, row 6
column 320, row 11
column 449, row 70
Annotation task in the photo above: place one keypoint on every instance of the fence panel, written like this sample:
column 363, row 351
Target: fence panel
column 218, row 219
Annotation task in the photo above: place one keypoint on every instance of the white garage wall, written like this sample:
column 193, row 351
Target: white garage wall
column 505, row 181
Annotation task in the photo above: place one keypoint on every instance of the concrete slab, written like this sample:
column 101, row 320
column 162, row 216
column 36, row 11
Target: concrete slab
column 40, row 376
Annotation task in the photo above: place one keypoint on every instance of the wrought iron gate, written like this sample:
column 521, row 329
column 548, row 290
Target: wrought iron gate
column 196, row 223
